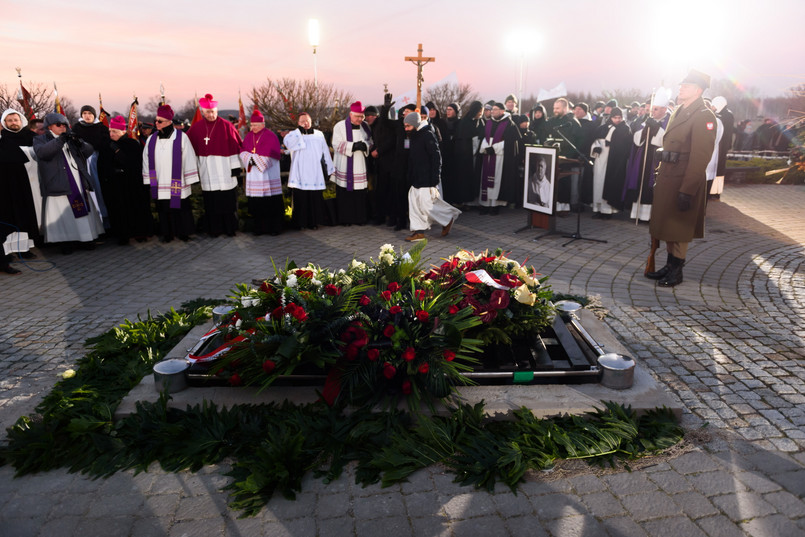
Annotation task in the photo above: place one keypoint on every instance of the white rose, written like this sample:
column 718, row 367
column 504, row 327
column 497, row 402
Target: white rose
column 386, row 249
column 387, row 258
column 315, row 282
column 291, row 282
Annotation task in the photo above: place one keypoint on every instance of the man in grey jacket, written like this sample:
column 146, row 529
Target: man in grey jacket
column 70, row 214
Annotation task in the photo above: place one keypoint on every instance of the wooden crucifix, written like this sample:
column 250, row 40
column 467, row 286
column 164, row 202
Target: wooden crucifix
column 420, row 62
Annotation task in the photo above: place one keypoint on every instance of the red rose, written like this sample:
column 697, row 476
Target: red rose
column 453, row 310
column 510, row 281
column 424, row 368
column 499, row 299
column 394, row 310
column 355, row 335
column 266, row 288
column 373, row 354
column 389, row 330
column 393, row 287
column 449, row 355
column 422, row 316
column 351, row 352
column 420, row 294
column 235, row 380
column 268, row 367
column 406, row 387
column 276, row 314
column 409, row 354
column 386, row 295
column 290, row 308
column 364, row 301
column 389, row 371
column 301, row 273
column 332, row 290
column 299, row 314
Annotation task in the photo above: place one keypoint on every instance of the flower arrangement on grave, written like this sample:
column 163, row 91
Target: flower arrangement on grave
column 382, row 330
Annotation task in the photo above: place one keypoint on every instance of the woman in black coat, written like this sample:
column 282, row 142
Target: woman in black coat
column 468, row 135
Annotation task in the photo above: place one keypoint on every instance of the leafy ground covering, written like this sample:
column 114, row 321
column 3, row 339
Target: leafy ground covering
column 271, row 447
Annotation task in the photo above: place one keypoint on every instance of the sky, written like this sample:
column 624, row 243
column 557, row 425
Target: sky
column 121, row 48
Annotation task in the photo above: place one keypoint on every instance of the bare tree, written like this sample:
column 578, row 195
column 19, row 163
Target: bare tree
column 187, row 110
column 41, row 102
column 444, row 94
column 281, row 101
column 149, row 109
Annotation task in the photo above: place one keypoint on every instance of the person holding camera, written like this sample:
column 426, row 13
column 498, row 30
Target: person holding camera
column 70, row 214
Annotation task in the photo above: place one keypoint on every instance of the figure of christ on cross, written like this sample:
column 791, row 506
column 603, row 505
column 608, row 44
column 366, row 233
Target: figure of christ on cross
column 420, row 62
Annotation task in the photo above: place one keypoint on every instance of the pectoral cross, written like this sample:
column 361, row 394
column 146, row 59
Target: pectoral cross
column 206, row 140
column 419, row 60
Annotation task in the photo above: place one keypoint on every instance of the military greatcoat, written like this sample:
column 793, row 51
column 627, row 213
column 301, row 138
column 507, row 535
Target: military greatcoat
column 691, row 132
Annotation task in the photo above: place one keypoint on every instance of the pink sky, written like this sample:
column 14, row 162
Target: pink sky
column 121, row 48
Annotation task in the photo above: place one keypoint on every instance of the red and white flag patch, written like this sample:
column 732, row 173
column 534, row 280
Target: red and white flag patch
column 710, row 126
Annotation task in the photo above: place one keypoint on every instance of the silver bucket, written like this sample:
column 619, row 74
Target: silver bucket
column 170, row 375
column 618, row 371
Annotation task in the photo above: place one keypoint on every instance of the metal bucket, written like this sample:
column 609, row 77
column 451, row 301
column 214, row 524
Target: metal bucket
column 618, row 371
column 170, row 375
column 218, row 313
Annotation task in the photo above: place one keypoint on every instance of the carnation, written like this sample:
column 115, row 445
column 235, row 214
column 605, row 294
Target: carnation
column 291, row 282
column 409, row 354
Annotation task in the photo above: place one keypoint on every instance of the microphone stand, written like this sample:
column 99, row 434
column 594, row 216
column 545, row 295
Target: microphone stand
column 577, row 236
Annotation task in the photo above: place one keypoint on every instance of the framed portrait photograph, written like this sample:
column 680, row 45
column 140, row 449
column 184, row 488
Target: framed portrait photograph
column 540, row 174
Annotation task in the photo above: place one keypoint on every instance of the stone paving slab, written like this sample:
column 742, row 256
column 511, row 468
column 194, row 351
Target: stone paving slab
column 729, row 343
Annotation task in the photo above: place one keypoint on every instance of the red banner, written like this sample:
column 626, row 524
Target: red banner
column 25, row 101
column 131, row 126
column 241, row 114
column 196, row 117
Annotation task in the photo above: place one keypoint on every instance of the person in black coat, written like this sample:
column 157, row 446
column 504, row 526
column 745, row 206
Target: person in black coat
column 129, row 201
column 468, row 134
column 398, row 205
column 620, row 145
column 424, row 172
column 384, row 132
column 95, row 134
column 538, row 123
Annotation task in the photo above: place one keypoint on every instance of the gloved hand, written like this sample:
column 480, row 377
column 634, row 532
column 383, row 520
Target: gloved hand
column 489, row 151
column 236, row 172
column 683, row 202
column 64, row 137
column 387, row 99
column 596, row 151
column 358, row 146
column 652, row 123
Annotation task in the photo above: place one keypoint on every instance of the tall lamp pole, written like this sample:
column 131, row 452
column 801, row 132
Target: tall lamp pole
column 313, row 37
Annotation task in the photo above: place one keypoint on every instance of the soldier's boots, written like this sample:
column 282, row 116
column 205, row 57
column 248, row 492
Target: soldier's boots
column 661, row 273
column 674, row 276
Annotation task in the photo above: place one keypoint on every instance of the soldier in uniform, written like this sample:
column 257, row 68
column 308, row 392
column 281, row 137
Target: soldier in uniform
column 680, row 192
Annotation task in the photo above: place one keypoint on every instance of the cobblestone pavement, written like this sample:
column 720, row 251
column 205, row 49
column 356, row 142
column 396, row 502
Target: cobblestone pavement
column 729, row 343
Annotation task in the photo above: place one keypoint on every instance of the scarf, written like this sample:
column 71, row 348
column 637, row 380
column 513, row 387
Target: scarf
column 176, row 169
column 348, row 128
column 78, row 199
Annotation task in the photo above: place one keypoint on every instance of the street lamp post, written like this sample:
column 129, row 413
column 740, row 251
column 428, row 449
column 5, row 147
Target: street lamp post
column 522, row 42
column 313, row 37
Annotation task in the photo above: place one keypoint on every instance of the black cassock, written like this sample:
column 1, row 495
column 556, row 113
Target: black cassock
column 128, row 200
column 16, row 200
column 619, row 147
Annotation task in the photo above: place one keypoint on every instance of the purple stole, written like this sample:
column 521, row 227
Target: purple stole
column 78, row 198
column 488, row 176
column 176, row 169
column 348, row 128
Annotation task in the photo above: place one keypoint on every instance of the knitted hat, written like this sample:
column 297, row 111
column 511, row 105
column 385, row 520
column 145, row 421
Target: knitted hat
column 612, row 103
column 455, row 107
column 88, row 108
column 412, row 119
column 616, row 112
column 118, row 122
column 370, row 111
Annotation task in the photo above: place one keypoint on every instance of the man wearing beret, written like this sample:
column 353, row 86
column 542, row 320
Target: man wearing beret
column 680, row 191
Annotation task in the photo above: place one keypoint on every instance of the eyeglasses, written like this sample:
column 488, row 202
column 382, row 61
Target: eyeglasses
column 161, row 121
column 60, row 124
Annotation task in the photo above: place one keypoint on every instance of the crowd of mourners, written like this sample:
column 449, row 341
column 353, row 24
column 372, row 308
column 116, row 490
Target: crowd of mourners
column 404, row 168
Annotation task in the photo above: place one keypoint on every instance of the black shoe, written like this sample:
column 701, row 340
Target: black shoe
column 660, row 274
column 166, row 239
column 28, row 255
column 674, row 276
column 484, row 210
column 122, row 242
column 184, row 238
column 87, row 245
column 495, row 210
column 66, row 250
column 8, row 269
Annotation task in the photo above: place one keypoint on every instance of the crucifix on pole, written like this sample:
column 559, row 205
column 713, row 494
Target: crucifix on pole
column 420, row 62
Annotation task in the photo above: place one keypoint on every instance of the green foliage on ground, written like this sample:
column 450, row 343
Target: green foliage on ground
column 761, row 166
column 272, row 447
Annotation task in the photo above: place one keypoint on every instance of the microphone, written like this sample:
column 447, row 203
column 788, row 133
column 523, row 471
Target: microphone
column 563, row 125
